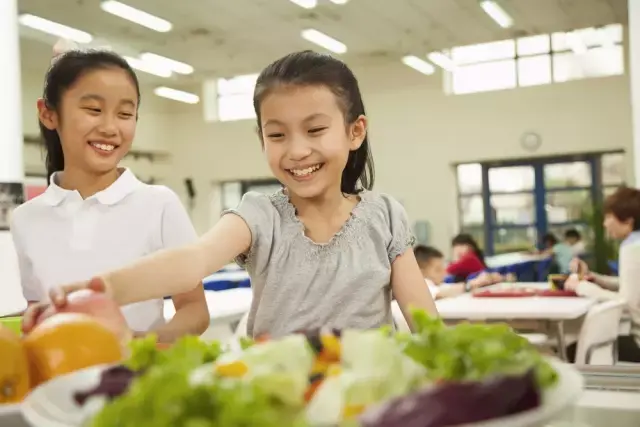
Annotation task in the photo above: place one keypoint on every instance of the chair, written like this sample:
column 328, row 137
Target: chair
column 398, row 318
column 598, row 338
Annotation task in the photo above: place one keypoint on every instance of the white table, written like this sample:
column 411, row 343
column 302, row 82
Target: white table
column 226, row 308
column 554, row 310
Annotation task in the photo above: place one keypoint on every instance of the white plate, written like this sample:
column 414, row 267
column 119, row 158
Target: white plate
column 52, row 404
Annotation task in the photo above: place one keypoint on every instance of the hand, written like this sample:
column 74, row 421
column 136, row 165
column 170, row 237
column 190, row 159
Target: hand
column 578, row 266
column 572, row 283
column 58, row 298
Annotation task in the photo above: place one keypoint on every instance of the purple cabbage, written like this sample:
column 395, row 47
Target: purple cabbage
column 458, row 403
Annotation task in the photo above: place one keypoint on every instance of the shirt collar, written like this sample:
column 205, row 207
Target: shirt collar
column 631, row 238
column 122, row 187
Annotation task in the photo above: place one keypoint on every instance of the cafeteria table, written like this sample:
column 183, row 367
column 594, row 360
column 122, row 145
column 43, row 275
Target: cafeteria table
column 553, row 310
column 226, row 308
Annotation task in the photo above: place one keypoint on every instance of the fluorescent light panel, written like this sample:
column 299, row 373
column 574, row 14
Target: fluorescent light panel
column 177, row 95
column 148, row 68
column 307, row 4
column 161, row 61
column 339, row 1
column 418, row 64
column 136, row 16
column 441, row 60
column 323, row 40
column 54, row 28
column 497, row 13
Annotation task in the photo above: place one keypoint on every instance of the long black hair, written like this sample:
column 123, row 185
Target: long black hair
column 467, row 239
column 63, row 73
column 308, row 68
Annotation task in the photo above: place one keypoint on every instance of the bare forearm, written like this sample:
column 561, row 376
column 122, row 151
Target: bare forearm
column 191, row 319
column 176, row 271
column 167, row 272
column 448, row 291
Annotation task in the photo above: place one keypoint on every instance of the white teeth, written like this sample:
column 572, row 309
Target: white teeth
column 103, row 147
column 304, row 172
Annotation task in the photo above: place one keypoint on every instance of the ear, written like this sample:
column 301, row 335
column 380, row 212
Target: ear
column 47, row 117
column 358, row 132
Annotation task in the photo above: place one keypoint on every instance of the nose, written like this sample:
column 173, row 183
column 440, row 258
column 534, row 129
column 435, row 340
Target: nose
column 108, row 126
column 299, row 148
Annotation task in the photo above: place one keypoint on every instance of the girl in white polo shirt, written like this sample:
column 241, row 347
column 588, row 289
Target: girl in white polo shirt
column 94, row 216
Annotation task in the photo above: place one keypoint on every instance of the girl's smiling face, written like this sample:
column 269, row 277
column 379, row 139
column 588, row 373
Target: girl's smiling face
column 96, row 119
column 306, row 139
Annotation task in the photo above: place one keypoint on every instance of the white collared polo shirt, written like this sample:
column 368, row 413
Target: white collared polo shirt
column 61, row 238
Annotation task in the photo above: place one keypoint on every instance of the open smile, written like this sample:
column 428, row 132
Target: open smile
column 306, row 172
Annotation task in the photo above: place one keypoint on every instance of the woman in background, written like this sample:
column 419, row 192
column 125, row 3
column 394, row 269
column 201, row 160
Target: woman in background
column 622, row 222
column 94, row 216
column 468, row 258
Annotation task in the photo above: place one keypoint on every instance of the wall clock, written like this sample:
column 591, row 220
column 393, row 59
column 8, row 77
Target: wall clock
column 530, row 141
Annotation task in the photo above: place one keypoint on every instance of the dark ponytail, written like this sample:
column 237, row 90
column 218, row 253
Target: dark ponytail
column 309, row 68
column 467, row 239
column 64, row 71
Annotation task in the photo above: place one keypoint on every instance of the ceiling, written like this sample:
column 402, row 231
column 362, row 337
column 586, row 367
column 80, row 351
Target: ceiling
column 228, row 37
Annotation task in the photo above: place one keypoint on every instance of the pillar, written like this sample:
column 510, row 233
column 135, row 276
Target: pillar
column 633, row 68
column 11, row 158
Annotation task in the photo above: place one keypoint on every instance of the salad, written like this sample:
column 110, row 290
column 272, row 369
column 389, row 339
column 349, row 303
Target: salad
column 373, row 378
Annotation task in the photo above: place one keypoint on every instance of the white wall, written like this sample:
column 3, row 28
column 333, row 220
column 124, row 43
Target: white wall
column 417, row 133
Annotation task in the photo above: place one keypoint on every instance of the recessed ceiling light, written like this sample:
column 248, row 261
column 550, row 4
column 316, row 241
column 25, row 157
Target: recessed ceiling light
column 307, row 4
column 441, row 60
column 418, row 64
column 497, row 13
column 54, row 28
column 325, row 41
column 339, row 1
column 148, row 67
column 176, row 66
column 177, row 95
column 136, row 16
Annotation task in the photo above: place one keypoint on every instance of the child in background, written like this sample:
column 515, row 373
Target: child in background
column 573, row 238
column 560, row 251
column 94, row 216
column 324, row 251
column 468, row 258
column 432, row 265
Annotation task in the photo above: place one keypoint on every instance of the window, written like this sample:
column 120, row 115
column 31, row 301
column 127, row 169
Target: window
column 235, row 98
column 512, row 203
column 536, row 60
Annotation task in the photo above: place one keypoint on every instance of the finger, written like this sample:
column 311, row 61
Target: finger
column 97, row 284
column 31, row 315
column 58, row 295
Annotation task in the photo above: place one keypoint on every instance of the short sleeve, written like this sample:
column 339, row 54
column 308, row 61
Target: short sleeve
column 31, row 288
column 176, row 229
column 260, row 215
column 401, row 234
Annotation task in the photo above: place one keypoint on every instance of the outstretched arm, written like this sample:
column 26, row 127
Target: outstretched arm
column 409, row 287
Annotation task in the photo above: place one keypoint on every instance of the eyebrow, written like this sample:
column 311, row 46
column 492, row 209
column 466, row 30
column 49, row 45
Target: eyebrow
column 94, row 97
column 306, row 119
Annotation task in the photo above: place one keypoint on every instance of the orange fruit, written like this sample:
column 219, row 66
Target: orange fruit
column 68, row 342
column 14, row 367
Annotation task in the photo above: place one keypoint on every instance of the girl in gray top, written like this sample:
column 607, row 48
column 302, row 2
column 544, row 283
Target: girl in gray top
column 323, row 251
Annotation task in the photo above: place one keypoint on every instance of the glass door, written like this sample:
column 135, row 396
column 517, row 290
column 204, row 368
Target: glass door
column 568, row 191
column 511, row 211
